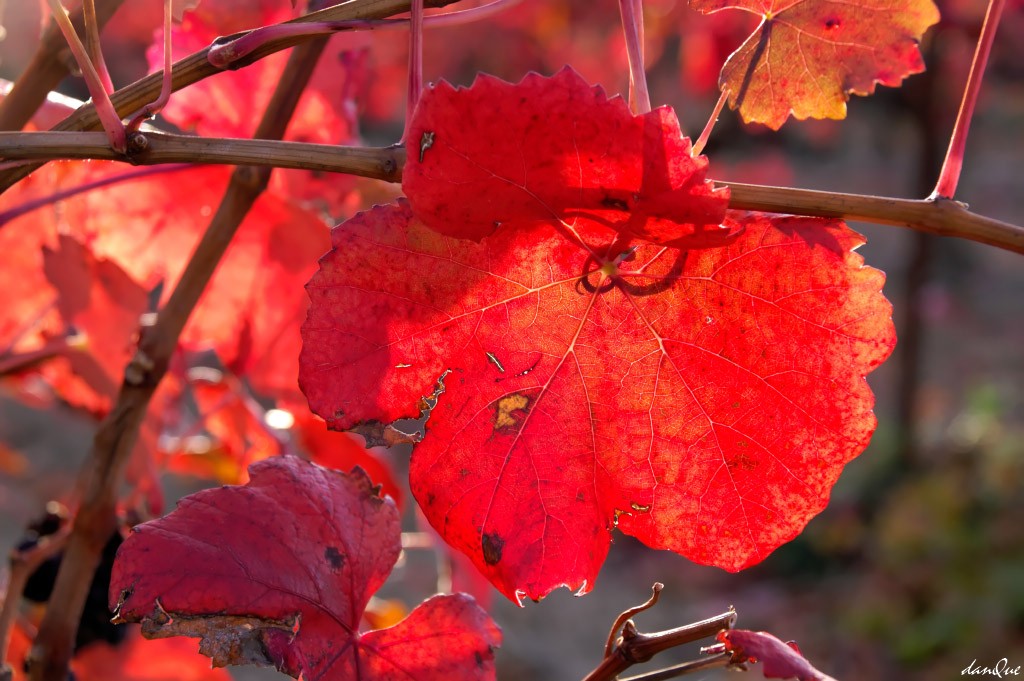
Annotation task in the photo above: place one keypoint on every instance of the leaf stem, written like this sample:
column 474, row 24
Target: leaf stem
column 49, row 65
column 93, row 46
column 97, row 90
column 949, row 176
column 702, row 141
column 633, row 27
column 154, row 107
column 415, row 63
column 116, row 437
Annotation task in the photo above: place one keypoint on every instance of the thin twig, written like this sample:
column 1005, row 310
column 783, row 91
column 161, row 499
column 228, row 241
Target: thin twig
column 626, row 614
column 49, row 65
column 691, row 667
column 118, row 433
column 225, row 54
column 21, row 360
column 949, row 176
column 50, row 199
column 22, row 565
column 634, row 647
column 157, row 105
column 702, row 141
column 195, row 67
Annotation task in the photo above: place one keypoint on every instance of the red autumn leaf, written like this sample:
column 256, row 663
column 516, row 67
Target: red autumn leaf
column 28, row 310
column 779, row 660
column 706, row 401
column 279, row 572
column 103, row 305
column 570, row 154
column 808, row 55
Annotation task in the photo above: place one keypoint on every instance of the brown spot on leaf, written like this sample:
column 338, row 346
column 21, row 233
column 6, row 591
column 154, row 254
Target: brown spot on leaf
column 492, row 545
column 334, row 557
column 510, row 410
column 640, row 508
column 612, row 202
column 743, row 461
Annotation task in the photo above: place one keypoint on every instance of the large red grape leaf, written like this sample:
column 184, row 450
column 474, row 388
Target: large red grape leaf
column 279, row 571
column 705, row 401
column 807, row 55
column 569, row 153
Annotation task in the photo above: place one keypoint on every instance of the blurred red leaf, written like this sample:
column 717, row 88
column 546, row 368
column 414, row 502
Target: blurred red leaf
column 570, row 153
column 12, row 464
column 279, row 572
column 235, row 432
column 251, row 309
column 103, row 305
column 223, row 106
column 779, row 660
column 705, row 401
column 807, row 55
column 138, row 659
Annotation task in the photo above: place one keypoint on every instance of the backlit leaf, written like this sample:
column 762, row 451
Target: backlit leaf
column 278, row 572
column 808, row 55
column 702, row 401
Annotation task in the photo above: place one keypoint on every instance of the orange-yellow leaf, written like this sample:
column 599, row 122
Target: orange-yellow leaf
column 808, row 55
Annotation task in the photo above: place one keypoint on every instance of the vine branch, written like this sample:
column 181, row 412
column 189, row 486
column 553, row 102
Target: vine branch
column 197, row 67
column 154, row 148
column 635, row 647
column 943, row 217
